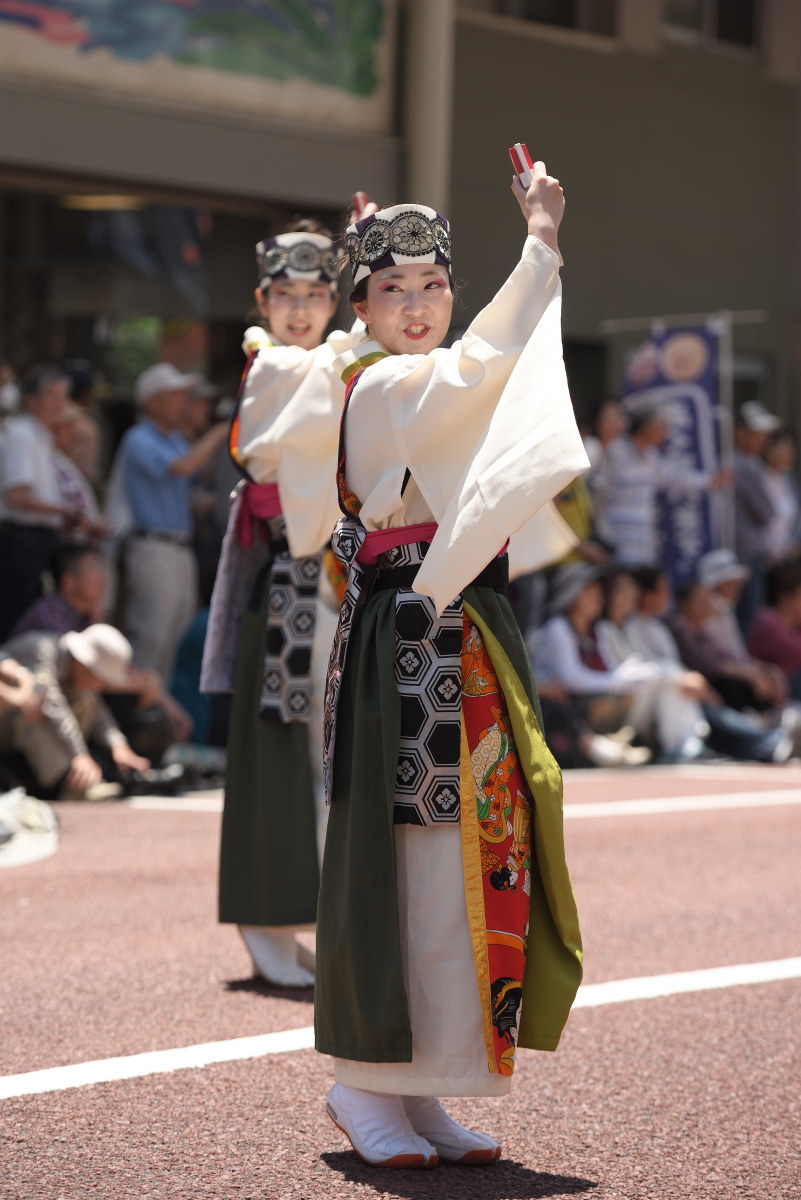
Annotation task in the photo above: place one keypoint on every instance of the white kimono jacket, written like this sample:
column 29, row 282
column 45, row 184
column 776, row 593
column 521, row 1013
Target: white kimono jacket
column 491, row 472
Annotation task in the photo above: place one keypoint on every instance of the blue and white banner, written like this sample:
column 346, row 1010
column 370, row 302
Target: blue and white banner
column 679, row 369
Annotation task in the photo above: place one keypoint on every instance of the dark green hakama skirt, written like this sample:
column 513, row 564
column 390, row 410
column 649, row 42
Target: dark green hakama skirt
column 269, row 871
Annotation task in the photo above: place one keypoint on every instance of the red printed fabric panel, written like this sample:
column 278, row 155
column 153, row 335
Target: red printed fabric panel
column 504, row 811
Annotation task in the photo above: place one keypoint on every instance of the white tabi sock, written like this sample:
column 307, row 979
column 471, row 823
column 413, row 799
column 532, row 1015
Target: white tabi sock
column 452, row 1141
column 275, row 956
column 378, row 1128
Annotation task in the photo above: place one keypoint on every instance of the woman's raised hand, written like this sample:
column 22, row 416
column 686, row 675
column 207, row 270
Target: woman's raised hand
column 542, row 204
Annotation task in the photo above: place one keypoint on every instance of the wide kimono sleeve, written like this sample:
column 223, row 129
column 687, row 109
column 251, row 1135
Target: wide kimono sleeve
column 289, row 431
column 486, row 428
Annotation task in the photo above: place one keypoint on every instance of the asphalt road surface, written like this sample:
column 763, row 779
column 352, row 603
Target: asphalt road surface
column 138, row 1059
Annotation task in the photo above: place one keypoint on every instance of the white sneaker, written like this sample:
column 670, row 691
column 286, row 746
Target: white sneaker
column 275, row 956
column 452, row 1141
column 377, row 1127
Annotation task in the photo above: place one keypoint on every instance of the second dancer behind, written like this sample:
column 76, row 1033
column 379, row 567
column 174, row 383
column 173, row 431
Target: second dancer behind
column 447, row 931
column 274, row 610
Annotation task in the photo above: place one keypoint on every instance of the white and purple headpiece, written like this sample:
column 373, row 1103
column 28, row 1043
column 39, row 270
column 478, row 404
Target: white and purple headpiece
column 310, row 256
column 405, row 233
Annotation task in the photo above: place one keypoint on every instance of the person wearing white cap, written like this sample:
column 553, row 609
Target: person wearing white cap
column 70, row 672
column 273, row 611
column 429, row 974
column 155, row 467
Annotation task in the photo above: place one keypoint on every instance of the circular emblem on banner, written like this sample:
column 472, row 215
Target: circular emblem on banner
column 685, row 356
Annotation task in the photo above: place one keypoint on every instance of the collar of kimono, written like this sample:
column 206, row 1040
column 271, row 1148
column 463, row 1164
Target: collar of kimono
column 353, row 361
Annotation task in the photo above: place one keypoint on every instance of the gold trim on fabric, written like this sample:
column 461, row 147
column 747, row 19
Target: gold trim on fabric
column 474, row 893
column 553, row 948
column 360, row 363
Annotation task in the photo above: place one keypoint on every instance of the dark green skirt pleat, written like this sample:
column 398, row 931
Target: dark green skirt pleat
column 269, row 872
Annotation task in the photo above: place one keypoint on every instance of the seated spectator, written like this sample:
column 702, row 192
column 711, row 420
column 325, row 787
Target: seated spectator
column 775, row 633
column 80, row 580
column 71, row 671
column 742, row 680
column 733, row 733
column 668, row 712
column 18, row 690
column 151, row 719
column 697, row 630
column 570, row 669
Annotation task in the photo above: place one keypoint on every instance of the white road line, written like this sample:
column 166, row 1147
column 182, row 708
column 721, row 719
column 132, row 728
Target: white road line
column 649, row 987
column 189, row 803
column 158, row 1062
column 677, row 804
column 601, row 808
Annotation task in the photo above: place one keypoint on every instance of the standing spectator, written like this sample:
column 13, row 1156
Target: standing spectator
column 73, row 484
column 753, row 506
column 9, row 391
column 775, row 633
column 87, row 434
column 628, row 481
column 157, row 463
column 32, row 510
column 608, row 422
column 779, row 459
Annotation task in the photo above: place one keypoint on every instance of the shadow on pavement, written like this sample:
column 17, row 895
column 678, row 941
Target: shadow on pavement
column 260, row 987
column 504, row 1180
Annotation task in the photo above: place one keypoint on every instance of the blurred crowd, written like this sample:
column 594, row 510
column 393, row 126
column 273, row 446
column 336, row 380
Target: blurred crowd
column 108, row 555
column 109, row 552
column 631, row 669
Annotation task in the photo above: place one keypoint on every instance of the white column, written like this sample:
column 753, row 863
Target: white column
column 428, row 102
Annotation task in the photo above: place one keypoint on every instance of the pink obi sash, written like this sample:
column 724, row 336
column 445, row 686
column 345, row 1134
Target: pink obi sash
column 257, row 502
column 379, row 541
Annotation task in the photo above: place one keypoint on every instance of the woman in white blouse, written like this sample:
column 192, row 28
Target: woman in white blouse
column 429, row 974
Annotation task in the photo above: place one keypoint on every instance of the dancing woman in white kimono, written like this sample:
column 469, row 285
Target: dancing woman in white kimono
column 447, row 930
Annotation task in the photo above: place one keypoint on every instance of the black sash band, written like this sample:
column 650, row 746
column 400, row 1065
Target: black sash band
column 495, row 576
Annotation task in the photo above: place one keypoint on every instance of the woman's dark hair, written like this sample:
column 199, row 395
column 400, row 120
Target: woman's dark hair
column 649, row 578
column 67, row 558
column 610, row 579
column 782, row 580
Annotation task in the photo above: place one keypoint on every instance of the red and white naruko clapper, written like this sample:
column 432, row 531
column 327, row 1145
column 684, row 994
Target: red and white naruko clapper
column 359, row 203
column 521, row 161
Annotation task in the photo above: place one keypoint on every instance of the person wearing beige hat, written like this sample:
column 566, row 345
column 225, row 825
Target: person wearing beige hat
column 743, row 680
column 70, row 672
column 156, row 466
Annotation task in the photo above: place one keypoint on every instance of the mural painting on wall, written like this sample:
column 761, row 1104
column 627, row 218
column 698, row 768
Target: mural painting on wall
column 328, row 44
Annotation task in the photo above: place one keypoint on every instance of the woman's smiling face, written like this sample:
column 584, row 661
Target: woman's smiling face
column 297, row 311
column 407, row 308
